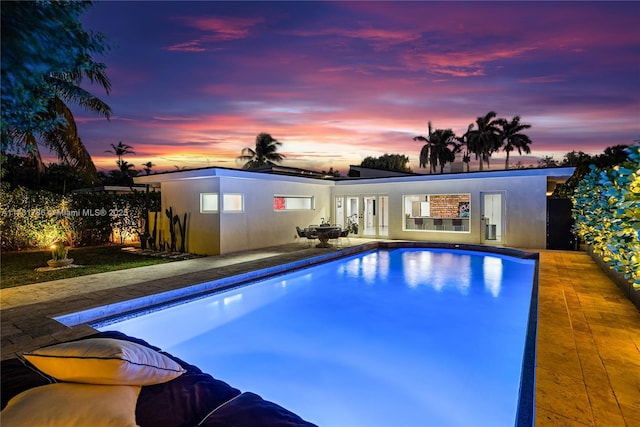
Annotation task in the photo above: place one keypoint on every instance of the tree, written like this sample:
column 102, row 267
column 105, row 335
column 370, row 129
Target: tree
column 443, row 148
column 576, row 158
column 463, row 142
column 35, row 91
column 264, row 153
column 485, row 140
column 583, row 163
column 331, row 172
column 612, row 156
column 547, row 162
column 512, row 137
column 390, row 162
column 439, row 149
column 425, row 151
column 123, row 175
column 120, row 150
column 147, row 167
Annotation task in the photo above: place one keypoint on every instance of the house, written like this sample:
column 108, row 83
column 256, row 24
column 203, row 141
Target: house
column 230, row 210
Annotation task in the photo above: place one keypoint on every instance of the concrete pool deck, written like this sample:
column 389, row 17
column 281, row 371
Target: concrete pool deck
column 588, row 345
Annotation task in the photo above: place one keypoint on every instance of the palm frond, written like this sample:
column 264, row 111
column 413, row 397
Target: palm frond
column 85, row 99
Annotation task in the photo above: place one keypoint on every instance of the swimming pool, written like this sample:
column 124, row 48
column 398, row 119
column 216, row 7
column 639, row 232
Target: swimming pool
column 400, row 337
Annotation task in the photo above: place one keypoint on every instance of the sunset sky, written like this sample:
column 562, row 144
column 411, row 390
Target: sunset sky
column 195, row 82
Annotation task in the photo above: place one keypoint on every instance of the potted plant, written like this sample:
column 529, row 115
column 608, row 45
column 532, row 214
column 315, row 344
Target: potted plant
column 59, row 256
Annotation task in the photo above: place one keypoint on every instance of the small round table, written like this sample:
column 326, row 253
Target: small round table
column 323, row 235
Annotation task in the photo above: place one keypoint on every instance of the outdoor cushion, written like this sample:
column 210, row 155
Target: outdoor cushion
column 70, row 405
column 105, row 361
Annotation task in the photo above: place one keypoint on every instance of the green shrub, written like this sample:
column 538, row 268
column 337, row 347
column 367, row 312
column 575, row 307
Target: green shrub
column 38, row 218
column 29, row 218
column 606, row 210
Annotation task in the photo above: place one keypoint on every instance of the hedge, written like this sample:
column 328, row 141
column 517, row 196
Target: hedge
column 38, row 218
column 606, row 210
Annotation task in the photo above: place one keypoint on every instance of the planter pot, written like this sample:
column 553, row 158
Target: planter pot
column 56, row 263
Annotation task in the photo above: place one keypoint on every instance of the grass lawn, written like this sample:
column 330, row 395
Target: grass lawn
column 18, row 268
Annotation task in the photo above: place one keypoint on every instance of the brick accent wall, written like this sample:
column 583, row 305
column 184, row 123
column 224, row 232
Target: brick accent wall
column 448, row 205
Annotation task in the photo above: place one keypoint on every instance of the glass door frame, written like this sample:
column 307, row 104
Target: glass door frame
column 375, row 215
column 492, row 223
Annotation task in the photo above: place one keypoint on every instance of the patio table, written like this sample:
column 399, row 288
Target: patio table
column 323, row 233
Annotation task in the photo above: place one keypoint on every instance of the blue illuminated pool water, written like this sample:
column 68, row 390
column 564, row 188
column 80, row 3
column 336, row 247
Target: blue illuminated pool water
column 402, row 337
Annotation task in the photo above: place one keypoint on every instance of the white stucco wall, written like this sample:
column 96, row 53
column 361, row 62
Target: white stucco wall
column 203, row 230
column 524, row 200
column 259, row 225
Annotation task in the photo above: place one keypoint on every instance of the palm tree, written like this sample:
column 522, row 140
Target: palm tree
column 147, row 167
column 485, row 140
column 124, row 174
column 436, row 150
column 63, row 139
column 425, row 152
column 120, row 150
column 264, row 153
column 512, row 138
column 464, row 142
column 127, row 168
column 442, row 139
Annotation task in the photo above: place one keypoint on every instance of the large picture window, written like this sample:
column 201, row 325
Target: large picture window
column 292, row 203
column 437, row 212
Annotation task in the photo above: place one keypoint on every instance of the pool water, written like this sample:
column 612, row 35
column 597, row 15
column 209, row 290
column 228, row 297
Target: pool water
column 402, row 337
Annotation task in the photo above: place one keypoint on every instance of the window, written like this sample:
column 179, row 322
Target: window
column 209, row 203
column 290, row 203
column 437, row 212
column 233, row 203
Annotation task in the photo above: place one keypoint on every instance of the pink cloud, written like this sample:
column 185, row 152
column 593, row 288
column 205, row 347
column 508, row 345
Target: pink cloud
column 190, row 46
column 223, row 28
column 461, row 63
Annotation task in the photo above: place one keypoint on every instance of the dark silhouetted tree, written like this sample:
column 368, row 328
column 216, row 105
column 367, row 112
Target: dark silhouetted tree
column 485, row 139
column 390, row 162
column 265, row 152
column 512, row 137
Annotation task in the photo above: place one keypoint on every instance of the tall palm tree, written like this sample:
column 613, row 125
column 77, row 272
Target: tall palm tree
column 444, row 147
column 425, row 151
column 439, row 148
column 464, row 143
column 64, row 139
column 485, row 140
column 513, row 138
column 120, row 150
column 263, row 154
